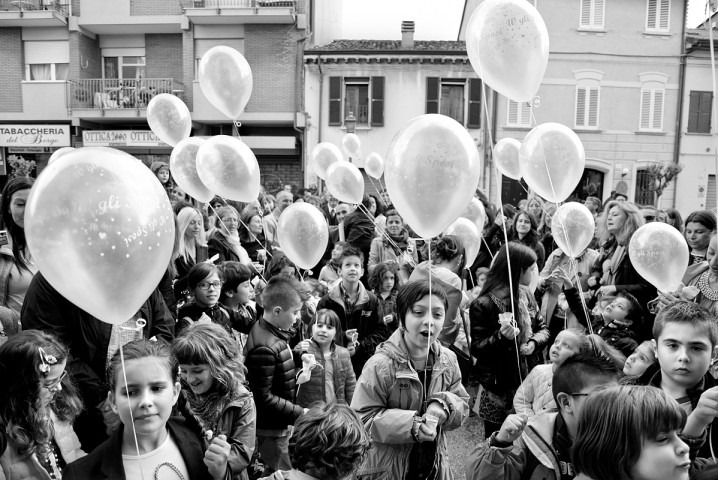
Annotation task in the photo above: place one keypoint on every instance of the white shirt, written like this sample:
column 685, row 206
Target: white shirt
column 160, row 461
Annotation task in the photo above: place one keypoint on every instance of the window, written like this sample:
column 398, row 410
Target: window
column 587, row 99
column 519, row 114
column 123, row 67
column 592, row 14
column 699, row 112
column 449, row 96
column 362, row 96
column 46, row 60
column 652, row 109
column 644, row 195
column 658, row 15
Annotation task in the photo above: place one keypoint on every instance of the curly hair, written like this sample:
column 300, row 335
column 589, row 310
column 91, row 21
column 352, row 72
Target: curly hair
column 21, row 410
column 532, row 237
column 377, row 276
column 634, row 220
column 330, row 440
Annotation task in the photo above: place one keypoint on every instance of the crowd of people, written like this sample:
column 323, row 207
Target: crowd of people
column 240, row 365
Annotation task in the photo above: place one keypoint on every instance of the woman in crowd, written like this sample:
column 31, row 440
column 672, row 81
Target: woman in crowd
column 251, row 234
column 705, row 279
column 699, row 226
column 524, row 231
column 535, row 206
column 544, row 229
column 16, row 264
column 398, row 248
column 225, row 241
column 376, row 208
column 674, row 219
column 410, row 393
column 192, row 247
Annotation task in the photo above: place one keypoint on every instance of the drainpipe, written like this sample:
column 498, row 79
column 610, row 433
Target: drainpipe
column 300, row 93
column 679, row 120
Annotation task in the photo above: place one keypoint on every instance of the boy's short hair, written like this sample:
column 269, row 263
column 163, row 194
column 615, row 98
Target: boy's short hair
column 280, row 292
column 330, row 439
column 685, row 312
column 233, row 274
column 575, row 372
column 635, row 313
column 352, row 251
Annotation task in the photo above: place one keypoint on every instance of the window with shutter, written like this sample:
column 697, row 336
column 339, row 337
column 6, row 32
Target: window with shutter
column 591, row 14
column 335, row 100
column 433, row 86
column 377, row 101
column 699, row 112
column 518, row 114
column 587, row 107
column 474, row 103
column 658, row 15
column 657, row 110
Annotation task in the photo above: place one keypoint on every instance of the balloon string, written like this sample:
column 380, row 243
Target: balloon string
column 384, row 232
column 574, row 264
column 132, row 420
column 431, row 313
column 709, row 26
column 506, row 240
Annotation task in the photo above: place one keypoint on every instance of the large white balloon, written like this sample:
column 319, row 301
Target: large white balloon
column 659, row 253
column 303, row 234
column 225, row 78
column 169, row 118
column 572, row 227
column 345, row 182
column 228, row 167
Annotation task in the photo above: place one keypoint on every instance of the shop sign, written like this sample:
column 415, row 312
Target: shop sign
column 29, row 150
column 121, row 138
column 34, row 135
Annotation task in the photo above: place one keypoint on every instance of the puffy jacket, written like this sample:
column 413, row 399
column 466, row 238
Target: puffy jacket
column 535, row 396
column 389, row 395
column 28, row 467
column 531, row 457
column 344, row 379
column 270, row 372
column 367, row 318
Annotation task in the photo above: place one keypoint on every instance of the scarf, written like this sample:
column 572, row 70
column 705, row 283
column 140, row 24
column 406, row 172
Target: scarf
column 233, row 241
column 400, row 241
column 208, row 408
column 609, row 274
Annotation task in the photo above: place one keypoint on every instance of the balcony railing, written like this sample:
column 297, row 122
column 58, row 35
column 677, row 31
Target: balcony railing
column 61, row 7
column 114, row 94
column 237, row 3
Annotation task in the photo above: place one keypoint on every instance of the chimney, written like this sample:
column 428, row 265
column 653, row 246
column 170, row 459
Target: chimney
column 407, row 34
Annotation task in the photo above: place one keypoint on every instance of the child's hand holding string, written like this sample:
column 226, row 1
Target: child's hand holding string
column 512, row 428
column 704, row 413
column 216, row 457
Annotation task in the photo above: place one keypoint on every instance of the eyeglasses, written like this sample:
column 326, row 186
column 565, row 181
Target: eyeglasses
column 206, row 285
column 52, row 386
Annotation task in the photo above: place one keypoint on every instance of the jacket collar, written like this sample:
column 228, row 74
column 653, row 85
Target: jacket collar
column 395, row 348
column 276, row 331
column 336, row 295
column 538, row 437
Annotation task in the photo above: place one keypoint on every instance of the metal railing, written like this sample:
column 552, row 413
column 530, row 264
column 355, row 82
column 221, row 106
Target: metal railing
column 61, row 7
column 113, row 93
column 236, row 3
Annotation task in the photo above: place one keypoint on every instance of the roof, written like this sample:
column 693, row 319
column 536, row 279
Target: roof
column 389, row 46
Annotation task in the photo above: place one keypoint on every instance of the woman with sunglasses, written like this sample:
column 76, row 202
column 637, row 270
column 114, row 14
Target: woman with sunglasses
column 38, row 404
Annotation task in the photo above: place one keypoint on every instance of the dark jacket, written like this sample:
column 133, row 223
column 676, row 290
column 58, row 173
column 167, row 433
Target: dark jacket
column 366, row 317
column 183, row 267
column 221, row 315
column 619, row 337
column 359, row 231
column 105, row 462
column 343, row 379
column 218, row 245
column 270, row 372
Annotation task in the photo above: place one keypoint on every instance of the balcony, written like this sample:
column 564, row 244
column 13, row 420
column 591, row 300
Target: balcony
column 100, row 97
column 34, row 13
column 218, row 12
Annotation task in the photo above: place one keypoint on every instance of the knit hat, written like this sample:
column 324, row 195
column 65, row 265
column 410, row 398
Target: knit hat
column 157, row 166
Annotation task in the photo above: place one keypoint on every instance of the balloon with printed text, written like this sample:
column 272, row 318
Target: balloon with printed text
column 659, row 253
column 303, row 234
column 228, row 167
column 225, row 78
column 345, row 182
column 169, row 118
column 506, row 157
column 552, row 159
column 101, row 230
column 572, row 227
column 183, row 165
column 432, row 171
column 323, row 155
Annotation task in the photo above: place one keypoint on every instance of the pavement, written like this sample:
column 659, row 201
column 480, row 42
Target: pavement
column 462, row 443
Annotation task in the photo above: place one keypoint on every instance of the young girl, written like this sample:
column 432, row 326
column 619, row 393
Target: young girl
column 162, row 172
column 630, row 433
column 331, row 378
column 410, row 393
column 213, row 395
column 205, row 283
column 639, row 361
column 383, row 284
column 149, row 444
column 38, row 404
column 534, row 395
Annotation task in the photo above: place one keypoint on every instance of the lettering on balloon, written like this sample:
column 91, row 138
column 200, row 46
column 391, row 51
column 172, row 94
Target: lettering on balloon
column 145, row 230
column 112, row 203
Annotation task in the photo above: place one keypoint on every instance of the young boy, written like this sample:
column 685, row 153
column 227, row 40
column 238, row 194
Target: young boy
column 614, row 324
column 270, row 372
column 357, row 308
column 684, row 339
column 544, row 449
column 330, row 274
column 237, row 290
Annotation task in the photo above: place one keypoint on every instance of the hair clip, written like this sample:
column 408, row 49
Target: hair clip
column 46, row 360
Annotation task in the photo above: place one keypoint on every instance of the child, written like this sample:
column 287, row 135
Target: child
column 162, row 172
column 329, row 442
column 331, row 273
column 213, row 393
column 639, row 361
column 383, row 284
column 38, row 404
column 149, row 443
column 204, row 281
column 631, row 432
column 534, row 395
column 331, row 378
column 684, row 339
column 270, row 371
column 358, row 310
column 614, row 323
column 236, row 295
column 481, row 274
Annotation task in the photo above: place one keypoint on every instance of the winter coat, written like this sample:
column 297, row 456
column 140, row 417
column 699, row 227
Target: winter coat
column 626, row 278
column 367, row 318
column 183, row 266
column 270, row 372
column 381, row 251
column 105, row 462
column 27, row 467
column 237, row 422
column 344, row 380
column 219, row 245
column 359, row 231
column 389, row 395
column 535, row 396
column 289, row 475
column 551, row 291
column 231, row 320
column 9, row 320
column 531, row 457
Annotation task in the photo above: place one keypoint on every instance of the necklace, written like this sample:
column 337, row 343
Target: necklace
column 171, row 466
column 706, row 289
column 52, row 461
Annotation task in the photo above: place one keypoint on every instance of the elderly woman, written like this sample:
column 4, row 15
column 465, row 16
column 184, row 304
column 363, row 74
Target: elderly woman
column 395, row 247
column 224, row 242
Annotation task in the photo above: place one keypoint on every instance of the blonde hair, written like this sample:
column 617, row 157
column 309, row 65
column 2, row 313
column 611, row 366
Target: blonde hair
column 187, row 247
column 634, row 220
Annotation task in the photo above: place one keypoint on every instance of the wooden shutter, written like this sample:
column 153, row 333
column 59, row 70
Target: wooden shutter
column 433, row 87
column 474, row 103
column 645, row 109
column 581, row 107
column 658, row 110
column 658, row 14
column 586, row 13
column 377, row 101
column 663, row 14
column 705, row 112
column 694, row 103
column 598, row 11
column 525, row 109
column 593, row 107
column 513, row 113
column 335, row 100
